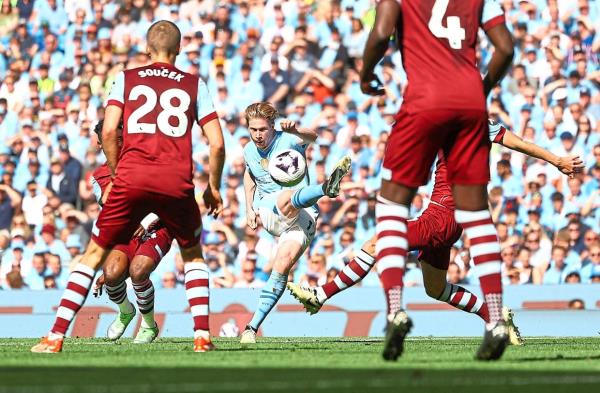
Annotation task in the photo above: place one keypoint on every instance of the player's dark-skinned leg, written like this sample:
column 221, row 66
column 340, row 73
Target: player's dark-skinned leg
column 391, row 248
column 437, row 287
column 139, row 270
column 116, row 271
column 473, row 215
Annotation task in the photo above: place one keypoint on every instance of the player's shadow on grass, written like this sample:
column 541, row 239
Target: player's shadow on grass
column 557, row 358
column 257, row 347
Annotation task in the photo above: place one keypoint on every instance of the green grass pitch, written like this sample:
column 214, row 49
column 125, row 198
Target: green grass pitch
column 299, row 365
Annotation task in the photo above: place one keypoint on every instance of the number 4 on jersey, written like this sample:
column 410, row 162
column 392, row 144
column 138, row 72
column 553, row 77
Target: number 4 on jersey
column 453, row 32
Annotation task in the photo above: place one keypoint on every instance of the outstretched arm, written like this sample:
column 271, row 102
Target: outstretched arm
column 567, row 165
column 386, row 15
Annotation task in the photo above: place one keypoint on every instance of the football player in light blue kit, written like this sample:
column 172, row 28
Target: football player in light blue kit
column 285, row 212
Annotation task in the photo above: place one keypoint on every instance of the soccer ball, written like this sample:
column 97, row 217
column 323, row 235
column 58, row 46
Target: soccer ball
column 287, row 168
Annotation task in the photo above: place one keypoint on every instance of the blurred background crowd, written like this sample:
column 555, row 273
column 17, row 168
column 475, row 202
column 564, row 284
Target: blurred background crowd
column 59, row 58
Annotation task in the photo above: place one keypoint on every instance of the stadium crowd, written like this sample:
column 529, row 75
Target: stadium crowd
column 58, row 60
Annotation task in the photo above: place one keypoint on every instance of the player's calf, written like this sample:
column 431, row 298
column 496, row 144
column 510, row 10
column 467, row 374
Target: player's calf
column 140, row 270
column 197, row 292
column 286, row 256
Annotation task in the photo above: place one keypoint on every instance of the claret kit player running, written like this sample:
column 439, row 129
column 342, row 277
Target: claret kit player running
column 443, row 108
column 287, row 213
column 432, row 234
column 136, row 259
column 152, row 172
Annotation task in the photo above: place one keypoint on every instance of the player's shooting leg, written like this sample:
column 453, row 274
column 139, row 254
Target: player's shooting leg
column 286, row 205
column 304, row 197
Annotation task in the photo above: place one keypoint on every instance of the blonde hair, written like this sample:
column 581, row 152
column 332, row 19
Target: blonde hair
column 262, row 110
column 164, row 37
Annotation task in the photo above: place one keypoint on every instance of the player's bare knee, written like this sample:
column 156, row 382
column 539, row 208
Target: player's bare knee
column 470, row 197
column 192, row 254
column 140, row 269
column 285, row 206
column 397, row 193
column 114, row 273
column 94, row 256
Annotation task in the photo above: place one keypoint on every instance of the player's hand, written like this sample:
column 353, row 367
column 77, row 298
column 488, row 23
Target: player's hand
column 139, row 232
column 570, row 165
column 288, row 125
column 251, row 219
column 371, row 85
column 98, row 286
column 106, row 192
column 212, row 201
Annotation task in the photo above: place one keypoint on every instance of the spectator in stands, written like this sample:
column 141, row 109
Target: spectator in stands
column 35, row 278
column 454, row 275
column 49, row 242
column 57, row 62
column 592, row 264
column 556, row 271
column 14, row 280
column 10, row 201
column 247, row 278
column 62, row 185
column 168, row 280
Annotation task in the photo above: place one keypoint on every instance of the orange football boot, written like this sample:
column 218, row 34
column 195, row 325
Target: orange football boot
column 48, row 346
column 202, row 344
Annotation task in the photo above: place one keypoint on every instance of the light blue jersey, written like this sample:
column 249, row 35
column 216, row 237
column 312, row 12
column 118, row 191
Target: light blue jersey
column 257, row 163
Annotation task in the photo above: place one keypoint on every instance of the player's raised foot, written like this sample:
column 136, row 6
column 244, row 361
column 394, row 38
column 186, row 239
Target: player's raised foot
column 118, row 326
column 248, row 336
column 146, row 335
column 307, row 296
column 203, row 344
column 47, row 345
column 514, row 335
column 398, row 326
column 495, row 341
column 331, row 187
